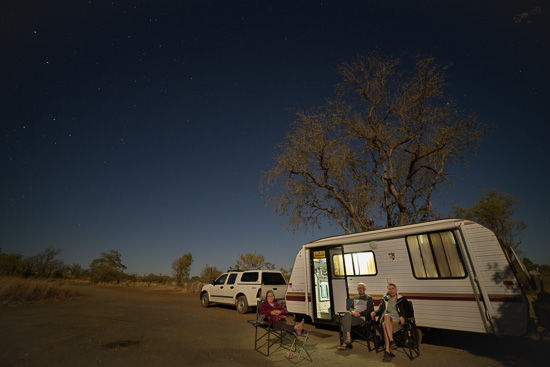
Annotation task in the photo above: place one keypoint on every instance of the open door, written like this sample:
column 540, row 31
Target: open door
column 339, row 282
column 330, row 293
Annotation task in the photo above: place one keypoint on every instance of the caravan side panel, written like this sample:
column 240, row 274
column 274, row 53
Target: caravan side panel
column 508, row 306
column 438, row 303
column 298, row 294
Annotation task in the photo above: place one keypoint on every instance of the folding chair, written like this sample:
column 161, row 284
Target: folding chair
column 298, row 345
column 408, row 338
column 365, row 332
column 265, row 337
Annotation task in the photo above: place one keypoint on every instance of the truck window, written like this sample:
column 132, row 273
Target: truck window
column 435, row 255
column 357, row 263
column 250, row 277
column 232, row 278
column 221, row 280
column 273, row 279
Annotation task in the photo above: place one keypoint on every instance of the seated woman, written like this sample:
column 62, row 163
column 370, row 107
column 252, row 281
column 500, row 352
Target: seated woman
column 393, row 309
column 274, row 311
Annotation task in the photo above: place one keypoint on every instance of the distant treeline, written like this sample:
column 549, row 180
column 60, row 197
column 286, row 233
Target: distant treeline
column 108, row 268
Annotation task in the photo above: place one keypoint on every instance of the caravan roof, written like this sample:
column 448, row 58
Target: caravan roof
column 436, row 225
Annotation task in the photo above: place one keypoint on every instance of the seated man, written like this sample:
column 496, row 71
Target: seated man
column 359, row 312
column 393, row 309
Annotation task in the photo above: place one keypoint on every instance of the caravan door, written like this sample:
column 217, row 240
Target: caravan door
column 339, row 284
column 329, row 293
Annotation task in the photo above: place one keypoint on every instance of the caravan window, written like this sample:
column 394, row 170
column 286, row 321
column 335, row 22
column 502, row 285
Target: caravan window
column 435, row 255
column 357, row 263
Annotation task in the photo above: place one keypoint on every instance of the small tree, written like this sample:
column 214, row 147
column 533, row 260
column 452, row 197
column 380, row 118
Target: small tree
column 181, row 267
column 286, row 273
column 107, row 268
column 494, row 210
column 209, row 273
column 111, row 259
column 46, row 265
column 11, row 264
column 253, row 261
column 75, row 270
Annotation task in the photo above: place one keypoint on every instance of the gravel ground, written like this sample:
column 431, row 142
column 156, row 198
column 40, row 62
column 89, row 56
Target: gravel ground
column 123, row 326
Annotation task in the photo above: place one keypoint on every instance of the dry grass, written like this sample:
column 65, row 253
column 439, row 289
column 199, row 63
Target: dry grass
column 18, row 291
column 191, row 287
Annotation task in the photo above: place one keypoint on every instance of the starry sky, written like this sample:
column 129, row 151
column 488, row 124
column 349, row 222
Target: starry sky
column 144, row 126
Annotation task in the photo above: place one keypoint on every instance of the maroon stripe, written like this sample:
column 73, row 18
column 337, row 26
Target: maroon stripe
column 302, row 298
column 298, row 298
column 464, row 298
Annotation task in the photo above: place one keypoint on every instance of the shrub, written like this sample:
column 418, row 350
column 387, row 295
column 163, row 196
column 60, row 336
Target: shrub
column 18, row 290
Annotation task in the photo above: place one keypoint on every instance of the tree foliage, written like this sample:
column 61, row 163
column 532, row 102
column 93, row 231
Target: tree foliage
column 253, row 261
column 107, row 268
column 286, row 273
column 544, row 269
column 11, row 264
column 494, row 209
column 45, row 264
column 181, row 267
column 111, row 259
column 374, row 156
column 74, row 270
column 209, row 273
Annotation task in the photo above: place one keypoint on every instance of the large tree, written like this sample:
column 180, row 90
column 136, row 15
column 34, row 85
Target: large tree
column 374, row 156
column 495, row 209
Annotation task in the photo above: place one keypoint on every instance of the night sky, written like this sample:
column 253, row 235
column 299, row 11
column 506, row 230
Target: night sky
column 144, row 126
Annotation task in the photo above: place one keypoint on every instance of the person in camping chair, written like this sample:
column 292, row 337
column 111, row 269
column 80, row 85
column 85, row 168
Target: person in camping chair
column 274, row 312
column 358, row 314
column 392, row 311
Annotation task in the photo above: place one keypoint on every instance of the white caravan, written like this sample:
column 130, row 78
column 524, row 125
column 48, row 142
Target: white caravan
column 454, row 271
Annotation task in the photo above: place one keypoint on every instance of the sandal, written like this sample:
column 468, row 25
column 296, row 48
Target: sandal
column 345, row 347
column 290, row 355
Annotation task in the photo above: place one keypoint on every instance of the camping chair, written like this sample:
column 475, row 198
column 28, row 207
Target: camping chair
column 298, row 345
column 265, row 337
column 408, row 337
column 365, row 332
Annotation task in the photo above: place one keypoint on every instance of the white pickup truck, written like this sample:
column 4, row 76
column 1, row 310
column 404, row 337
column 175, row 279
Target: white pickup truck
column 243, row 288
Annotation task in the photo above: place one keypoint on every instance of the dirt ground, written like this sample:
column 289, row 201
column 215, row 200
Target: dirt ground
column 137, row 327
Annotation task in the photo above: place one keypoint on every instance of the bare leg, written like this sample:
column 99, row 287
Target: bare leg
column 298, row 327
column 388, row 332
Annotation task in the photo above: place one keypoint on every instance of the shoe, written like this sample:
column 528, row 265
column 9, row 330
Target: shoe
column 387, row 357
column 345, row 347
column 393, row 345
column 290, row 355
column 347, row 342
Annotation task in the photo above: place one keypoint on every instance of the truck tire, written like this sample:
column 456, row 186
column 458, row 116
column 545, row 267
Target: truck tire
column 204, row 300
column 242, row 305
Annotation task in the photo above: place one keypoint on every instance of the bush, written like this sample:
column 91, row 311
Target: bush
column 18, row 290
column 106, row 274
